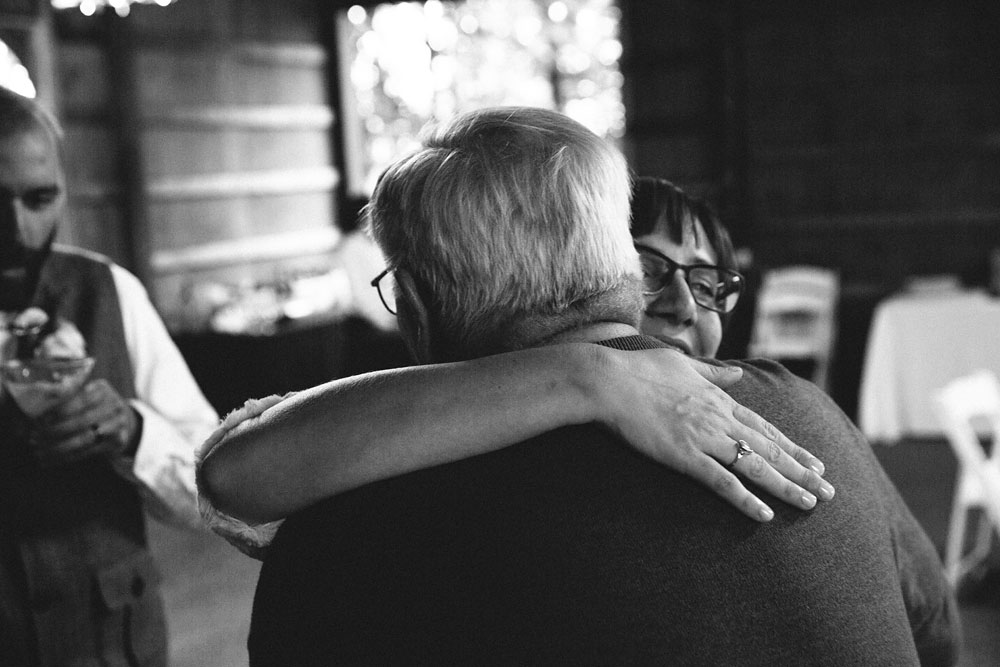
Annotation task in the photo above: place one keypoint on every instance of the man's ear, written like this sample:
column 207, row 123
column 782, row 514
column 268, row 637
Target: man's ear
column 413, row 318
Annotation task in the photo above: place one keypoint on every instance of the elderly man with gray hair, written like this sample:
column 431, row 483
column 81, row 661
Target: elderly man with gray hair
column 507, row 230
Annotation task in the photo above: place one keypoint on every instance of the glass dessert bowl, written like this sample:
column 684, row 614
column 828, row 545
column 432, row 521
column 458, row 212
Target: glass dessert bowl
column 38, row 384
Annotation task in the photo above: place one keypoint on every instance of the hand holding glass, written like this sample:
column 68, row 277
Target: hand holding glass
column 37, row 385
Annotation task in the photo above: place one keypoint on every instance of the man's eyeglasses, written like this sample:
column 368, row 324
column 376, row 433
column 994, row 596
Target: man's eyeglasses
column 388, row 292
column 712, row 287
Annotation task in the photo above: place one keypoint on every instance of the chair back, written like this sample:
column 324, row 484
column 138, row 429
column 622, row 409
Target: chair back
column 796, row 317
column 963, row 405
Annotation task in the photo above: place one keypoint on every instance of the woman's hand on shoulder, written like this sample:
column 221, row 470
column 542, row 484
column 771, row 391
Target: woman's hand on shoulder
column 673, row 409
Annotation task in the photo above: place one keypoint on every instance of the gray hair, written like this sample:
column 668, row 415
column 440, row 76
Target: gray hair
column 504, row 215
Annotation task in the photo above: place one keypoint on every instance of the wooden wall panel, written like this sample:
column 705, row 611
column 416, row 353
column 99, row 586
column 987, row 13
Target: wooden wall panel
column 786, row 116
column 186, row 223
column 205, row 19
column 818, row 112
column 884, row 179
column 285, row 21
column 782, row 49
column 95, row 224
column 871, row 120
column 91, row 153
column 200, row 140
column 233, row 140
column 672, row 66
column 208, row 150
column 888, row 245
column 83, row 80
column 683, row 158
column 175, row 74
column 667, row 25
column 672, row 94
column 95, row 216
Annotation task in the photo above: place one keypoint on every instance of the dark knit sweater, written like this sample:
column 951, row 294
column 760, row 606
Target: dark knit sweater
column 571, row 548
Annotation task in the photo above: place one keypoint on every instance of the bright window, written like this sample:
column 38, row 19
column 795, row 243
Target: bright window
column 13, row 74
column 406, row 64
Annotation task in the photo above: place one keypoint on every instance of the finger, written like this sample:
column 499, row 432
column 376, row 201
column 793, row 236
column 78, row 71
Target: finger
column 67, row 407
column 712, row 474
column 779, row 474
column 81, row 446
column 721, row 376
column 74, row 406
column 68, row 425
column 765, row 428
column 755, row 468
column 95, row 404
column 102, row 416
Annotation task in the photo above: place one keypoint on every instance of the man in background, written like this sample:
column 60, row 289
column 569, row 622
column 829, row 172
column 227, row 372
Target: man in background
column 509, row 229
column 77, row 584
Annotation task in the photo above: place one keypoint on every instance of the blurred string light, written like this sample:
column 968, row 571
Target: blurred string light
column 411, row 63
column 121, row 7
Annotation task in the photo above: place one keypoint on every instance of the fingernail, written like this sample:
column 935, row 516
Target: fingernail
column 818, row 467
column 808, row 500
column 826, row 491
column 766, row 513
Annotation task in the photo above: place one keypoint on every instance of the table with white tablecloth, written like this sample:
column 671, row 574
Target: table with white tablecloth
column 917, row 343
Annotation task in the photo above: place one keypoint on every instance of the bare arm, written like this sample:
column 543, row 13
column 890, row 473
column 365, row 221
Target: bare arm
column 352, row 431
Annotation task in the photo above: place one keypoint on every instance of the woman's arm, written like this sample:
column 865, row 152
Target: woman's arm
column 346, row 433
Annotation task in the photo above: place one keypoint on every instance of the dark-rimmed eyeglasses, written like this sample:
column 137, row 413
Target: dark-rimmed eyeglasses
column 711, row 286
column 387, row 293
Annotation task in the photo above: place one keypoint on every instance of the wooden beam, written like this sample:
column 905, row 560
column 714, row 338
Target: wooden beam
column 206, row 256
column 259, row 117
column 243, row 184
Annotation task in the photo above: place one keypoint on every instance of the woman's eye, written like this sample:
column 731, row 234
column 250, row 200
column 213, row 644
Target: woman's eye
column 651, row 283
column 703, row 287
column 649, row 267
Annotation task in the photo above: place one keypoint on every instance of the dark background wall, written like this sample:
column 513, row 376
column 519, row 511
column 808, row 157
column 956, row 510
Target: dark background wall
column 861, row 136
column 820, row 125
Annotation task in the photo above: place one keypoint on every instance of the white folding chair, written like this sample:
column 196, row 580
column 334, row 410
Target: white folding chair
column 796, row 318
column 964, row 407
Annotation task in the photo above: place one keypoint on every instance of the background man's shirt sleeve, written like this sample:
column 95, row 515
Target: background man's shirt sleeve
column 176, row 415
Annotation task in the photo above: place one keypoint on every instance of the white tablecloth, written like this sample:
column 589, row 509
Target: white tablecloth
column 917, row 343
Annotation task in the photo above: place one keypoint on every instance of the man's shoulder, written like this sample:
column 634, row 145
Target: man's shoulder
column 75, row 270
column 770, row 380
column 71, row 260
column 80, row 256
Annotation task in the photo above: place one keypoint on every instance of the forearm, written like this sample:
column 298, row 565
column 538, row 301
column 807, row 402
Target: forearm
column 353, row 431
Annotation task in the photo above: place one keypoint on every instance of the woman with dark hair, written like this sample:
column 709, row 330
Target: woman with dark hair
column 680, row 238
column 281, row 454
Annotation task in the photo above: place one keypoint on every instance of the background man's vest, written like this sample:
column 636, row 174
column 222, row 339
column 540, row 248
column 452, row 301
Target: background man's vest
column 72, row 538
